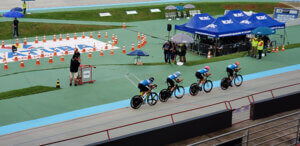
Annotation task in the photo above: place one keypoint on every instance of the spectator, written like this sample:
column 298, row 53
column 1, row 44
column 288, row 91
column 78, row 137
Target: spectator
column 266, row 43
column 166, row 47
column 16, row 27
column 254, row 47
column 74, row 65
column 260, row 48
column 183, row 53
column 24, row 8
column 14, row 48
column 173, row 52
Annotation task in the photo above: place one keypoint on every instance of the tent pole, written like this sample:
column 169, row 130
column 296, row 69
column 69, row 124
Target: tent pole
column 284, row 36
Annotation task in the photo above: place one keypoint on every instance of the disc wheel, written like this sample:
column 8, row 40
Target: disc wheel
column 208, row 85
column 224, row 83
column 152, row 99
column 194, row 89
column 179, row 92
column 238, row 80
column 136, row 102
column 164, row 95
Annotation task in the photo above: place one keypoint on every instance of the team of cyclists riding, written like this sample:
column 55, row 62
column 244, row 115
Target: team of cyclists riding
column 172, row 80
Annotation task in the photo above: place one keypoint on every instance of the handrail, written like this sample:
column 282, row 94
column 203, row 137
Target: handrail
column 171, row 115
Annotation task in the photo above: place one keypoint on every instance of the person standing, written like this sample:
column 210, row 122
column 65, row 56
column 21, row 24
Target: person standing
column 260, row 48
column 16, row 27
column 254, row 47
column 24, row 8
column 266, row 43
column 74, row 65
column 183, row 53
column 77, row 54
column 166, row 48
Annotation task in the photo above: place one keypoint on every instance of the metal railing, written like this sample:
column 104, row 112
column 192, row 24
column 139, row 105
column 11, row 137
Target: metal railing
column 227, row 105
column 282, row 133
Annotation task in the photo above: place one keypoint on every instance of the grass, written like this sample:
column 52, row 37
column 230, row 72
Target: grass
column 30, row 29
column 119, row 14
column 26, row 91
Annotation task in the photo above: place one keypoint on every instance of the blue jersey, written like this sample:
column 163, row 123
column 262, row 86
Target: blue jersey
column 202, row 71
column 145, row 82
column 232, row 66
column 173, row 76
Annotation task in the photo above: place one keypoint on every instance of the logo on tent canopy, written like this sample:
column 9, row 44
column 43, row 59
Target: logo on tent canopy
column 204, row 18
column 238, row 14
column 261, row 17
column 245, row 22
column 227, row 21
column 211, row 26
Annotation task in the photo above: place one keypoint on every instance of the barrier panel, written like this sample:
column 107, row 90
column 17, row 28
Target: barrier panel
column 175, row 132
column 269, row 107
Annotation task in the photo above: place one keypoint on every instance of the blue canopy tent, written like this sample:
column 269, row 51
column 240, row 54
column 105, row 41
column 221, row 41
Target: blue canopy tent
column 237, row 15
column 262, row 19
column 198, row 21
column 223, row 27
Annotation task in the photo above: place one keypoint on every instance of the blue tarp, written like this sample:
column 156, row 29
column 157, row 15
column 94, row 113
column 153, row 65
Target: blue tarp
column 237, row 15
column 223, row 27
column 262, row 19
column 198, row 21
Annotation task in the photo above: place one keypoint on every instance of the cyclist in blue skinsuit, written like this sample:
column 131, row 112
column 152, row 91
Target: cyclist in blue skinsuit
column 172, row 77
column 144, row 84
column 201, row 72
column 230, row 68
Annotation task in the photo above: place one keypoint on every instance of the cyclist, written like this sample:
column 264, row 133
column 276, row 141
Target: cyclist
column 230, row 68
column 144, row 84
column 199, row 75
column 172, row 77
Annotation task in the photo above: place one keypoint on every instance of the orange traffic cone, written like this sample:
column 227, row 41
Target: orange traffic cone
column 4, row 58
column 145, row 40
column 42, row 54
column 17, row 42
column 25, row 41
column 138, row 46
column 138, row 36
column 94, row 48
column 111, row 51
column 55, row 53
column 101, row 54
column 116, row 40
column 54, row 38
column 50, row 59
column 91, row 35
column 106, row 36
column 142, row 44
column 68, row 36
column 142, row 36
column 16, row 57
column 75, row 36
column 273, row 50
column 124, row 51
column 62, row 59
column 83, row 49
column 106, row 47
column 29, row 56
column 83, row 36
column 90, row 55
column 22, row 64
column 132, row 47
column 60, row 37
column 66, row 51
column 113, row 37
column 3, row 45
column 5, row 66
column 38, row 61
column 44, row 39
column 282, row 49
column 277, row 49
column 36, row 40
column 124, row 25
column 99, row 35
column 208, row 55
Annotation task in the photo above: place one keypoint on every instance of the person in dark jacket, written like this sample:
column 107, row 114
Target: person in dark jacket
column 16, row 27
column 74, row 65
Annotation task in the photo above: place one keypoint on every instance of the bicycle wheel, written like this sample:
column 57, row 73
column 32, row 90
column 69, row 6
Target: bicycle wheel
column 208, row 85
column 179, row 92
column 136, row 101
column 238, row 80
column 224, row 83
column 164, row 95
column 194, row 89
column 152, row 99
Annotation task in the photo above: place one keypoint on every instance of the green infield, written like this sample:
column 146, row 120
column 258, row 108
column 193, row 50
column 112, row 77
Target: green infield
column 26, row 91
column 30, row 29
column 119, row 14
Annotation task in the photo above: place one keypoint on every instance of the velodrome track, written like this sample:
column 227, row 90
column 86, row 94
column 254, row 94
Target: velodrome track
column 123, row 116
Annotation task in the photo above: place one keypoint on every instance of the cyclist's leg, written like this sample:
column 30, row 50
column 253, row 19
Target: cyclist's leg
column 230, row 75
column 200, row 77
column 172, row 84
